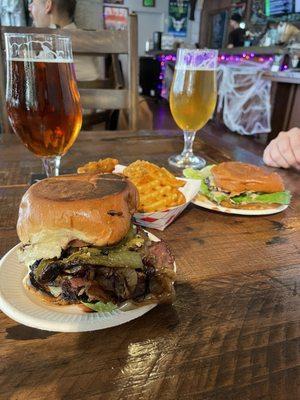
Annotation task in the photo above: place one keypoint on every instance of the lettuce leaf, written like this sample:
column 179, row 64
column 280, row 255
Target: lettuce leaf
column 276, row 198
column 201, row 174
column 213, row 195
column 101, row 307
column 204, row 188
column 218, row 197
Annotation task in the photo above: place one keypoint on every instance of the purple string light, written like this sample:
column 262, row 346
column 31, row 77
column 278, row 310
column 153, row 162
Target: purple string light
column 222, row 59
column 163, row 59
column 244, row 57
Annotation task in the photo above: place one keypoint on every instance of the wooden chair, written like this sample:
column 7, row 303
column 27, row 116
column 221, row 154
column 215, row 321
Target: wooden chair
column 95, row 43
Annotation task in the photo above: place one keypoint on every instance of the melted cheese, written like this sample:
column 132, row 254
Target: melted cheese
column 47, row 244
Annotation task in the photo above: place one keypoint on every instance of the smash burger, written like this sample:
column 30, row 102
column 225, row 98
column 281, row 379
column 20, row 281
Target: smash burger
column 240, row 185
column 80, row 245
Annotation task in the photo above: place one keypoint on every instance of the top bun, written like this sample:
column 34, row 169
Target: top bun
column 237, row 177
column 94, row 208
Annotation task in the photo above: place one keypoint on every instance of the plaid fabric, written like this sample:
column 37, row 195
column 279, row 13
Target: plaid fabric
column 158, row 220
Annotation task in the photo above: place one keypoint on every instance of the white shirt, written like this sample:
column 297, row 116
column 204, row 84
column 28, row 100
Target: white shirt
column 87, row 68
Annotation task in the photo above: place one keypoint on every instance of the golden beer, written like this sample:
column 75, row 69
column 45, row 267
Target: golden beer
column 193, row 97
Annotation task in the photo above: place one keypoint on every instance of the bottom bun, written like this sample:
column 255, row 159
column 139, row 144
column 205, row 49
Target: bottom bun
column 251, row 206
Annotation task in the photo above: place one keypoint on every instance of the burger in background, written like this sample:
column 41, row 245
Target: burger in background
column 239, row 185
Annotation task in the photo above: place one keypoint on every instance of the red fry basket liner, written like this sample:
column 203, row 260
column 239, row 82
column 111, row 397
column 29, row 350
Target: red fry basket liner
column 161, row 219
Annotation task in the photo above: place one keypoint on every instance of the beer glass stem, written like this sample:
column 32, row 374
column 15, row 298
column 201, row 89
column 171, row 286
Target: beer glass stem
column 189, row 138
column 51, row 165
column 187, row 159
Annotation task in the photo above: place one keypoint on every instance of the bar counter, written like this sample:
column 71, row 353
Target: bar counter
column 285, row 101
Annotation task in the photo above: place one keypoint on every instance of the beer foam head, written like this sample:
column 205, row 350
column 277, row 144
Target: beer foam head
column 197, row 60
column 38, row 48
column 41, row 59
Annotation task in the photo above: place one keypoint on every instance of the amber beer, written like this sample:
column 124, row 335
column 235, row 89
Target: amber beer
column 43, row 105
column 193, row 97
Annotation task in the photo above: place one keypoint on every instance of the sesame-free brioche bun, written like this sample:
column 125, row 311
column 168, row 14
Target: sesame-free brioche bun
column 94, row 208
column 237, row 177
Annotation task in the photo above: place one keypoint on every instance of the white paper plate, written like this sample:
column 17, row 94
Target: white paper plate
column 22, row 306
column 202, row 201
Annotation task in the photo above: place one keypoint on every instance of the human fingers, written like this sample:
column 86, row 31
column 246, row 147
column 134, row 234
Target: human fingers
column 277, row 159
column 285, row 148
column 268, row 159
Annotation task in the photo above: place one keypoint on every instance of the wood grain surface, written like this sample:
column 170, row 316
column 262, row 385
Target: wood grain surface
column 233, row 331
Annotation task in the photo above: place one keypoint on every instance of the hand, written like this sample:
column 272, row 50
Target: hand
column 284, row 150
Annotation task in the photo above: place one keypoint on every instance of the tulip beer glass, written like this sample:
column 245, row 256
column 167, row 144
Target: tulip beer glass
column 193, row 99
column 42, row 99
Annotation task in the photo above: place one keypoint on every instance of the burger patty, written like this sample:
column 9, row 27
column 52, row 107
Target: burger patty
column 73, row 282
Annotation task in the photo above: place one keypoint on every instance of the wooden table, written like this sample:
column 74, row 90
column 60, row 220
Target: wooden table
column 233, row 331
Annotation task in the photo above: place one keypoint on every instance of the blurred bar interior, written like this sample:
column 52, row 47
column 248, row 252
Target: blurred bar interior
column 259, row 52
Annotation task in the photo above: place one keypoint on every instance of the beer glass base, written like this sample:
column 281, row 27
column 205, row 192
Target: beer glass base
column 180, row 161
column 51, row 165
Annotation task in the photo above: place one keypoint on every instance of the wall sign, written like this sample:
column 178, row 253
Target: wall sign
column 257, row 13
column 149, row 3
column 113, row 1
column 115, row 18
column 178, row 17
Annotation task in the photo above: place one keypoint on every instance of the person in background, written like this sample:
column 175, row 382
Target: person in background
column 271, row 34
column 284, row 150
column 237, row 35
column 60, row 14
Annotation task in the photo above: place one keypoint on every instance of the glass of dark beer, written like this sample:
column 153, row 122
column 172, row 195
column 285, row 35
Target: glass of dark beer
column 42, row 98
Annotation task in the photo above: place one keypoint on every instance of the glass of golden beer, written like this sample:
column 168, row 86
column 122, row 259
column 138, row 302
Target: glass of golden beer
column 193, row 99
column 42, row 99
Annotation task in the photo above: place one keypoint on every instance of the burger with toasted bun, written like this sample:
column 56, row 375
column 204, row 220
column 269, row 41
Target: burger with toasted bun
column 240, row 185
column 81, row 247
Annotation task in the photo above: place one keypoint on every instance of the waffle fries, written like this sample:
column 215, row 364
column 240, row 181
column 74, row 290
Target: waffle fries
column 106, row 165
column 157, row 187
